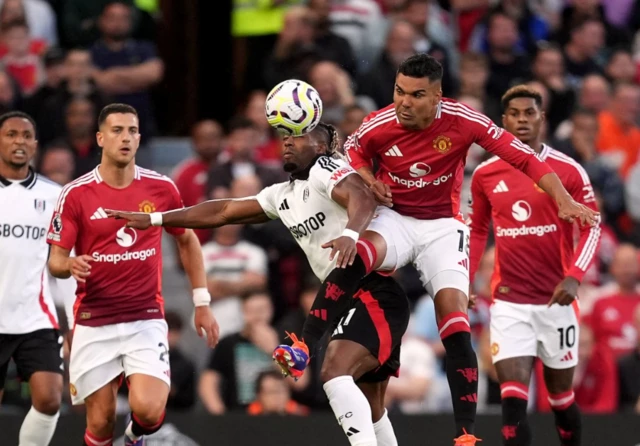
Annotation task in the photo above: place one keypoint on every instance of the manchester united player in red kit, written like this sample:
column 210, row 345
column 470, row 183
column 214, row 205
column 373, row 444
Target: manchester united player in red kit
column 537, row 272
column 119, row 312
column 420, row 143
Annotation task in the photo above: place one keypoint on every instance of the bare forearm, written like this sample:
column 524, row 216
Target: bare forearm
column 244, row 286
column 551, row 184
column 361, row 209
column 203, row 215
column 59, row 266
column 192, row 261
column 367, row 175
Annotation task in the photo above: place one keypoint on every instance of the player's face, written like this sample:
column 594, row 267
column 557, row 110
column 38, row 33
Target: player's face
column 17, row 142
column 415, row 100
column 523, row 118
column 298, row 152
column 119, row 137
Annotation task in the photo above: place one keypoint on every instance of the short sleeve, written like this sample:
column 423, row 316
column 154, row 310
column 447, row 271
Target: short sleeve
column 63, row 230
column 222, row 356
column 327, row 173
column 174, row 202
column 267, row 199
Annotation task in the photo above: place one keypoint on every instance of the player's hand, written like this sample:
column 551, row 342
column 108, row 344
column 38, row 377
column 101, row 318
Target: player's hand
column 570, row 210
column 206, row 325
column 382, row 193
column 566, row 292
column 80, row 268
column 137, row 220
column 346, row 249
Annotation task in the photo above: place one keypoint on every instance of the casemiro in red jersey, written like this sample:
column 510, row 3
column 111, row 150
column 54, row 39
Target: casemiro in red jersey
column 420, row 144
column 537, row 272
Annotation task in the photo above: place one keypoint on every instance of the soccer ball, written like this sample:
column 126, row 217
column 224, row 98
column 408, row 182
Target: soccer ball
column 293, row 107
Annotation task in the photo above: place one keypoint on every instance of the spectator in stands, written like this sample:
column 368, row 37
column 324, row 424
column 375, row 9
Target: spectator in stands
column 229, row 381
column 474, row 74
column 234, row 268
column 577, row 11
column 22, row 60
column 619, row 135
column 612, row 316
column 51, row 117
column 594, row 95
column 335, row 89
column 629, row 371
column 182, row 395
column 621, row 67
column 191, row 176
column 378, row 82
column 269, row 149
column 243, row 137
column 58, row 163
column 38, row 14
column 126, row 68
column 583, row 49
column 273, row 397
column 81, row 126
column 353, row 117
column 54, row 74
column 10, row 96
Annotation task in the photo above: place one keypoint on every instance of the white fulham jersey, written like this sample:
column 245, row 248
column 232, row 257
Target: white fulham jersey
column 305, row 207
column 26, row 287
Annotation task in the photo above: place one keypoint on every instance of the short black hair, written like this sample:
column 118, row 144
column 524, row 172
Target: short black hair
column 16, row 23
column 421, row 65
column 112, row 109
column 17, row 114
column 109, row 3
column 521, row 91
column 267, row 374
column 240, row 123
column 581, row 111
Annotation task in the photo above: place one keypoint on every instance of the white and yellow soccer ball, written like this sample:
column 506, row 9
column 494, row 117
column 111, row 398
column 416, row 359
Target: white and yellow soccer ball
column 293, row 107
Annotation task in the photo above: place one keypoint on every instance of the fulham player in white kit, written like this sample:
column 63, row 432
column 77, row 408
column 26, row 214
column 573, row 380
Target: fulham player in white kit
column 28, row 322
column 326, row 206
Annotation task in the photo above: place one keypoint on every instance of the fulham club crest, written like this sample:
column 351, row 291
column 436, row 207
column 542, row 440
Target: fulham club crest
column 305, row 194
column 39, row 205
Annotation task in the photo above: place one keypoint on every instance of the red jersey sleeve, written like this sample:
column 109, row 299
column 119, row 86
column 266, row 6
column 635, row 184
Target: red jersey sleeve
column 174, row 202
column 478, row 222
column 507, row 147
column 358, row 152
column 63, row 230
column 581, row 190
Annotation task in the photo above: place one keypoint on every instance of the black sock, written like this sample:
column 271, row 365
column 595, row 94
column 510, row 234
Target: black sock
column 332, row 300
column 138, row 429
column 515, row 425
column 462, row 374
column 569, row 425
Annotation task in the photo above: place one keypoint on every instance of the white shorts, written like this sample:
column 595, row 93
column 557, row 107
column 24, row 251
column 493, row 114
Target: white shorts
column 100, row 354
column 549, row 333
column 439, row 249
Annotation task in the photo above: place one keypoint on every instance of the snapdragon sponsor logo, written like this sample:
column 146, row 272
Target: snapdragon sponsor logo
column 125, row 256
column 525, row 230
column 419, row 182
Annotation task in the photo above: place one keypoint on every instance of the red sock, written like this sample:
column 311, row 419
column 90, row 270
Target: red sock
column 139, row 428
column 92, row 440
column 367, row 253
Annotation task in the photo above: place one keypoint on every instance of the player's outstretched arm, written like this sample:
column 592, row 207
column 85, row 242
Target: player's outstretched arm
column 63, row 266
column 210, row 214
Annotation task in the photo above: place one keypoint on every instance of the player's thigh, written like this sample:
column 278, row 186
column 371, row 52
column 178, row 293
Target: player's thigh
column 101, row 407
column 396, row 231
column 558, row 331
column 446, row 249
column 95, row 360
column 8, row 345
column 511, row 332
column 145, row 350
column 374, row 392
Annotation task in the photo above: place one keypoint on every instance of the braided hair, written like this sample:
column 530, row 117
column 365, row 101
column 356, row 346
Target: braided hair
column 331, row 138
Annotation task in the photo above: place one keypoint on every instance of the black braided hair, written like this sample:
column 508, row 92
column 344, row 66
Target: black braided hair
column 331, row 139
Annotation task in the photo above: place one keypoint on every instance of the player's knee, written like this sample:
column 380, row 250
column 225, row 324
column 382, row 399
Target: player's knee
column 49, row 404
column 101, row 423
column 148, row 410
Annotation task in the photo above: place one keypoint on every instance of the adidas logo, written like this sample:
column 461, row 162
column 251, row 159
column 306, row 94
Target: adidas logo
column 284, row 205
column 501, row 187
column 472, row 398
column 352, row 431
column 567, row 357
column 99, row 214
column 393, row 151
column 464, row 263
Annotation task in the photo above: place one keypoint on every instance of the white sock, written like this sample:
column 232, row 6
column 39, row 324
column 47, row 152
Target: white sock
column 129, row 432
column 352, row 410
column 384, row 431
column 37, row 428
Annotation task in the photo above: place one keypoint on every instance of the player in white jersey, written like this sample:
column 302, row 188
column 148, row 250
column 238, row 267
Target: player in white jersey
column 325, row 205
column 28, row 322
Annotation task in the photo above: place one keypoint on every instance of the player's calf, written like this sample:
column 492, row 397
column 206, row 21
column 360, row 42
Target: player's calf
column 147, row 399
column 562, row 400
column 515, row 425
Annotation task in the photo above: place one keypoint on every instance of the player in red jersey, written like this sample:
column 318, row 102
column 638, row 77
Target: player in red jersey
column 537, row 272
column 119, row 312
column 420, row 143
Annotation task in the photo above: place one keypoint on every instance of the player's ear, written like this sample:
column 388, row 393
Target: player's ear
column 100, row 139
column 543, row 116
column 504, row 118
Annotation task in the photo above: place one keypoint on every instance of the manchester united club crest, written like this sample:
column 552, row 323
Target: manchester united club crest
column 72, row 390
column 442, row 144
column 147, row 207
column 495, row 348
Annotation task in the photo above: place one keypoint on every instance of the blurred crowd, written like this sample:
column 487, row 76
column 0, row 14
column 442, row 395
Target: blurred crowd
column 582, row 55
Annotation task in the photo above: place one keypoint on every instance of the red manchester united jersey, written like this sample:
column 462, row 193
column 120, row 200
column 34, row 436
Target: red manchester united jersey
column 425, row 168
column 125, row 281
column 534, row 247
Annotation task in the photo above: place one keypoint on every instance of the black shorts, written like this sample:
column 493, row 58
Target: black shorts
column 38, row 351
column 377, row 320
